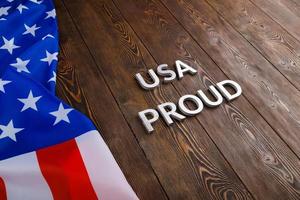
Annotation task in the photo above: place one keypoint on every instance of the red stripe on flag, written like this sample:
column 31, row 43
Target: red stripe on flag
column 2, row 189
column 65, row 173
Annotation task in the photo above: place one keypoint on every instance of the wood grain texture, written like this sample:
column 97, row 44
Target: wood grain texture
column 82, row 86
column 187, row 163
column 243, row 136
column 275, row 98
column 284, row 12
column 245, row 149
column 274, row 42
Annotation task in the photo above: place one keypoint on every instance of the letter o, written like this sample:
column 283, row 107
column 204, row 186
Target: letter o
column 187, row 111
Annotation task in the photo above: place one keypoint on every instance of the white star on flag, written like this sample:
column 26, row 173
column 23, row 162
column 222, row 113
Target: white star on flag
column 53, row 78
column 21, row 7
column 2, row 83
column 61, row 114
column 50, row 57
column 48, row 36
column 51, row 13
column 9, row 131
column 36, row 1
column 30, row 30
column 3, row 10
column 21, row 65
column 30, row 102
column 9, row 45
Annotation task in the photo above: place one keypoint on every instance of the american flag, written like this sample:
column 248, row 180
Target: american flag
column 47, row 149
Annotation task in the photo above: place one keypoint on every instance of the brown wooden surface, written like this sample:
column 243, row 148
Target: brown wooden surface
column 245, row 149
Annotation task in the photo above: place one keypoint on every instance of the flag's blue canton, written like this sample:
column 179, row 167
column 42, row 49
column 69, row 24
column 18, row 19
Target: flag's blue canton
column 28, row 30
column 31, row 117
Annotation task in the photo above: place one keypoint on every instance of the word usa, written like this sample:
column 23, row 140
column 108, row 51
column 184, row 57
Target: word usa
column 168, row 110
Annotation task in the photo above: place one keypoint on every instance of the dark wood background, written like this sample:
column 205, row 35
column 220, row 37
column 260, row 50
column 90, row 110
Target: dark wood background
column 245, row 149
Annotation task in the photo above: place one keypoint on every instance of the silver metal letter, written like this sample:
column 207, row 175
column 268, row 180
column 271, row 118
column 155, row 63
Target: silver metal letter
column 164, row 71
column 182, row 68
column 143, row 83
column 148, row 122
column 225, row 93
column 215, row 93
column 170, row 113
column 187, row 111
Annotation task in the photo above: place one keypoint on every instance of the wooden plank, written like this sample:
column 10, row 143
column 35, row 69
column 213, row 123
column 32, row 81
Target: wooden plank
column 284, row 12
column 251, row 146
column 277, row 45
column 273, row 96
column 82, row 86
column 187, row 163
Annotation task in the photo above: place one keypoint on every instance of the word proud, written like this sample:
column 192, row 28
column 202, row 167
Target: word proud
column 169, row 111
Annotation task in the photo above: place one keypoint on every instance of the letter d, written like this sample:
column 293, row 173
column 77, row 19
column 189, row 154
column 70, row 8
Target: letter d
column 225, row 93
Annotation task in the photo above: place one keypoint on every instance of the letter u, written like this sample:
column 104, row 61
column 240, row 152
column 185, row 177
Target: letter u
column 215, row 93
column 148, row 86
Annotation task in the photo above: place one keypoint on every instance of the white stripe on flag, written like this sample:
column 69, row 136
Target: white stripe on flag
column 105, row 175
column 23, row 178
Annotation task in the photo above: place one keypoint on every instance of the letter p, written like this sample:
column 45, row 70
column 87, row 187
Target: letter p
column 146, row 121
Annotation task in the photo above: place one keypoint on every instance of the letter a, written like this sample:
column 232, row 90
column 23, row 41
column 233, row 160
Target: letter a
column 183, row 68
